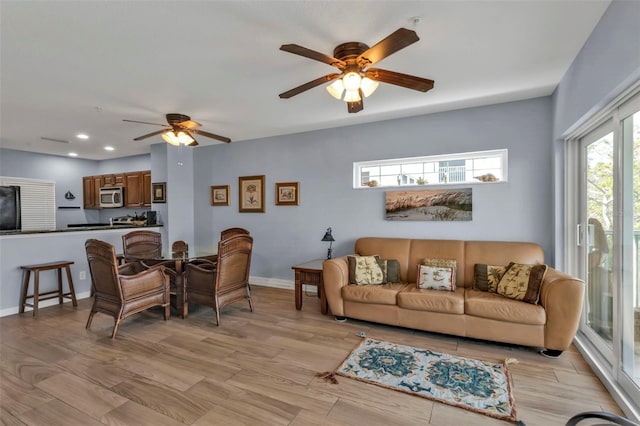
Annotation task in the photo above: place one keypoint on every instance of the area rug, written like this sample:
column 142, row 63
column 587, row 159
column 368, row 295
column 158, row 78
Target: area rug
column 474, row 385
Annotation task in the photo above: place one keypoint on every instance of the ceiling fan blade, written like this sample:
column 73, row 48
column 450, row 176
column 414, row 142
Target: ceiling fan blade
column 404, row 80
column 397, row 40
column 190, row 124
column 209, row 135
column 312, row 54
column 150, row 134
column 354, row 107
column 195, row 142
column 145, row 122
column 310, row 85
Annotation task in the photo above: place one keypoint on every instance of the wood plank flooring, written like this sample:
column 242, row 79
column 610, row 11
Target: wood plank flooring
column 256, row 369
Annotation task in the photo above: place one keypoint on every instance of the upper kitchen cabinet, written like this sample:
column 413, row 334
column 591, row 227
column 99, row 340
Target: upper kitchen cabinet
column 91, row 191
column 114, row 180
column 138, row 189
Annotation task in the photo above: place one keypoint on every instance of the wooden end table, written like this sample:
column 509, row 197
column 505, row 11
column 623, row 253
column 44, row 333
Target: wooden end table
column 310, row 273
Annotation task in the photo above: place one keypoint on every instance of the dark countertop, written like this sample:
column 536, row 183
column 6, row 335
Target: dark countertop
column 76, row 229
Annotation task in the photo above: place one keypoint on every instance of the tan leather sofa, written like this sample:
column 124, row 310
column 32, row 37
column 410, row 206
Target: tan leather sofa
column 551, row 324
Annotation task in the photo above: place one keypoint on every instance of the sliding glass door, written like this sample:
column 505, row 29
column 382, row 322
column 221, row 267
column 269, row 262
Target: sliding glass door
column 603, row 206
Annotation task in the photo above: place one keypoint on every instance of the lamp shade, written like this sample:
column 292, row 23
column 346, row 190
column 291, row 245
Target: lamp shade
column 177, row 138
column 327, row 236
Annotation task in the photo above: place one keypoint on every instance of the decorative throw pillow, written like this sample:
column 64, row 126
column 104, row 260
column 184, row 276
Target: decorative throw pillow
column 436, row 278
column 365, row 270
column 444, row 263
column 522, row 282
column 487, row 277
column 391, row 269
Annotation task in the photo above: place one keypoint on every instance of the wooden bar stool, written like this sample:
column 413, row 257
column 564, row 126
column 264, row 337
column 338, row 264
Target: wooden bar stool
column 36, row 296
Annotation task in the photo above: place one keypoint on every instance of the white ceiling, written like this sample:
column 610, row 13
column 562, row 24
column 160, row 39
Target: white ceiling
column 71, row 67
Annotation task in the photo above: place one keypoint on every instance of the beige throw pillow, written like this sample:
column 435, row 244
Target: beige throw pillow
column 487, row 277
column 445, row 263
column 436, row 278
column 365, row 270
column 522, row 282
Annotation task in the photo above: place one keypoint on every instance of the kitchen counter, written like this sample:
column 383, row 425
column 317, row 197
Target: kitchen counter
column 89, row 227
column 67, row 244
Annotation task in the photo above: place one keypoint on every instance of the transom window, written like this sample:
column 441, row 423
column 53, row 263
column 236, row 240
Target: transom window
column 468, row 167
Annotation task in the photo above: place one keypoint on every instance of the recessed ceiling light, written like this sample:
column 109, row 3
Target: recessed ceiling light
column 109, row 148
column 73, row 154
column 82, row 136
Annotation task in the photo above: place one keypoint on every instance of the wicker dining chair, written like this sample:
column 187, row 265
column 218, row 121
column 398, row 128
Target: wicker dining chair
column 121, row 291
column 179, row 249
column 230, row 232
column 138, row 245
column 225, row 282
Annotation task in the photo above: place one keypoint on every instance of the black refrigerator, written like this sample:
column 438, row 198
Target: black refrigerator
column 10, row 208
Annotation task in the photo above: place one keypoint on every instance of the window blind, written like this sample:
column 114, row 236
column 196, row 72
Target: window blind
column 37, row 202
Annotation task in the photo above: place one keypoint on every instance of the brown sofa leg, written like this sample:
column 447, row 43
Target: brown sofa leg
column 550, row 353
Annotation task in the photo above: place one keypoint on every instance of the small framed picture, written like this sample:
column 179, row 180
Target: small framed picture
column 251, row 194
column 220, row 195
column 159, row 192
column 287, row 193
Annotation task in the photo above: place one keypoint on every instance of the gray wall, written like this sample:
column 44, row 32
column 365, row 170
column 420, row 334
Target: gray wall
column 322, row 161
column 67, row 173
column 608, row 63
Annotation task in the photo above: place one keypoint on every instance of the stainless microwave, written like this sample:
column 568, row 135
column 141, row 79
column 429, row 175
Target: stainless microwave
column 111, row 197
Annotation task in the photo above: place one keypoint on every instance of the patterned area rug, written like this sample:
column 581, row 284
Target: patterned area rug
column 467, row 383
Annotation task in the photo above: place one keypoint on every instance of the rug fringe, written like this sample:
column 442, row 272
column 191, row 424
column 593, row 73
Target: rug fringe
column 329, row 376
column 510, row 361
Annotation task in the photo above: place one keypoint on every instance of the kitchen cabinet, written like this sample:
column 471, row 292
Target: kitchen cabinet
column 137, row 188
column 114, row 180
column 91, row 191
column 137, row 191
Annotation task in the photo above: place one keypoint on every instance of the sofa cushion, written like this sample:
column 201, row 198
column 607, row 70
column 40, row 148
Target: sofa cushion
column 417, row 299
column 384, row 294
column 436, row 278
column 365, row 270
column 522, row 282
column 487, row 277
column 493, row 306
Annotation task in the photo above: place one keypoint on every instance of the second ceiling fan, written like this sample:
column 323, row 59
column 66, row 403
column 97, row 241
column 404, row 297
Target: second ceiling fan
column 179, row 130
column 356, row 79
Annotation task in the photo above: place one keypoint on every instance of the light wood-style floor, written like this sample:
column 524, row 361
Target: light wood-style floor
column 257, row 368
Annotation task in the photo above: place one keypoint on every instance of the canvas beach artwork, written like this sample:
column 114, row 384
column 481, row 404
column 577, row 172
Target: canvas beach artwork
column 429, row 205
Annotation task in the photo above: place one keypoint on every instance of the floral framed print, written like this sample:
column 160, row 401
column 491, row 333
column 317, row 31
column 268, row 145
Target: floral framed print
column 287, row 193
column 251, row 194
column 220, row 195
column 159, row 192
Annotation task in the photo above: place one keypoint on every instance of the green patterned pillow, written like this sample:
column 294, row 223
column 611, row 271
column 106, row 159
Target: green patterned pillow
column 522, row 282
column 487, row 277
column 365, row 270
column 442, row 263
column 391, row 269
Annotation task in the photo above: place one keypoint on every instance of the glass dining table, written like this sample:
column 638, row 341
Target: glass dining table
column 177, row 264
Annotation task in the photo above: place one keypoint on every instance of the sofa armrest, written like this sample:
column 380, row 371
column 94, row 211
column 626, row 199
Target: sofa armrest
column 335, row 274
column 561, row 297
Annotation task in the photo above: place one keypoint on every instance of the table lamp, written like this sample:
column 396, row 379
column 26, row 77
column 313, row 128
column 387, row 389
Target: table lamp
column 328, row 237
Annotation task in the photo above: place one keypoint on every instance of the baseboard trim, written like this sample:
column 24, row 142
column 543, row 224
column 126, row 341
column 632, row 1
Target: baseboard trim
column 260, row 281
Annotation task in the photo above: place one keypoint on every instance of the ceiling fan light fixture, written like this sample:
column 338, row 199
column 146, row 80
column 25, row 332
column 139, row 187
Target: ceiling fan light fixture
column 352, row 96
column 368, row 86
column 336, row 89
column 177, row 138
column 351, row 81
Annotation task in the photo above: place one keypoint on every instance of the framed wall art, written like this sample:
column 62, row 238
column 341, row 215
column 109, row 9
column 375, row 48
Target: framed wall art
column 251, row 198
column 287, row 193
column 220, row 195
column 430, row 205
column 159, row 192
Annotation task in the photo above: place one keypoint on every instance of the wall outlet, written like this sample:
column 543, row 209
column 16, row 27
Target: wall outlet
column 83, row 275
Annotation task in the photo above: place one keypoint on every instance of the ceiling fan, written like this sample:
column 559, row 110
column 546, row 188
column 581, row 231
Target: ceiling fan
column 180, row 130
column 356, row 79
